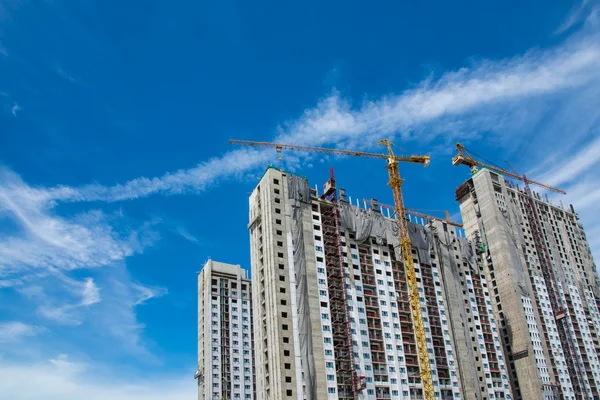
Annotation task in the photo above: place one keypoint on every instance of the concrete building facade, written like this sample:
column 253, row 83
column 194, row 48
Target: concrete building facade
column 331, row 309
column 495, row 214
column 225, row 351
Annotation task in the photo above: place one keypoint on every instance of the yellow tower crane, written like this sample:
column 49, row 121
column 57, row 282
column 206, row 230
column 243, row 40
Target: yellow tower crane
column 395, row 182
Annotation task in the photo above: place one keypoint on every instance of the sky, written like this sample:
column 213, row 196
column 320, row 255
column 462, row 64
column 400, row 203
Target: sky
column 117, row 181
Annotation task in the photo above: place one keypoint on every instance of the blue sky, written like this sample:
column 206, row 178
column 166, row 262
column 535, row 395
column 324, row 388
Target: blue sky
column 117, row 181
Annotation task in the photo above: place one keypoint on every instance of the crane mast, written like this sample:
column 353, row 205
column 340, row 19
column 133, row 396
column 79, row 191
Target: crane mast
column 564, row 332
column 395, row 183
column 413, row 289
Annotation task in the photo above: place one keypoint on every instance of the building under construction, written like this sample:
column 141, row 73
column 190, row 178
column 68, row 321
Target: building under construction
column 332, row 317
column 543, row 284
column 225, row 355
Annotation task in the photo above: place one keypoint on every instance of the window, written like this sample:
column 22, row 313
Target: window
column 276, row 181
column 330, row 377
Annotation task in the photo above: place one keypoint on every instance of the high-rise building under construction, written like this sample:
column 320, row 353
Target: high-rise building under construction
column 332, row 318
column 544, row 287
column 225, row 351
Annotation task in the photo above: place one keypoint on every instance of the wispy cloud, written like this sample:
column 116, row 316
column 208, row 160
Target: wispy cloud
column 577, row 173
column 49, row 241
column 495, row 97
column 14, row 109
column 496, row 100
column 460, row 93
column 62, row 378
column 15, row 331
column 38, row 257
column 66, row 307
column 91, row 293
column 575, row 164
column 233, row 164
column 184, row 233
column 579, row 13
column 143, row 293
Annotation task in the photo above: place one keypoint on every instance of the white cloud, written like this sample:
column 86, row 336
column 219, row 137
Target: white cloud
column 14, row 331
column 143, row 293
column 579, row 13
column 64, row 307
column 62, row 379
column 233, row 164
column 577, row 172
column 489, row 96
column 91, row 293
column 576, row 163
column 504, row 98
column 14, row 109
column 38, row 257
column 184, row 233
column 48, row 241
column 462, row 92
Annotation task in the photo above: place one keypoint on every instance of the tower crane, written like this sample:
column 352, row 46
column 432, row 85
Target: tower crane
column 463, row 157
column 567, row 340
column 395, row 183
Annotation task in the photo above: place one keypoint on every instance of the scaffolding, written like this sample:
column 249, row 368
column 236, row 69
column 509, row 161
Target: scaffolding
column 349, row 383
column 564, row 333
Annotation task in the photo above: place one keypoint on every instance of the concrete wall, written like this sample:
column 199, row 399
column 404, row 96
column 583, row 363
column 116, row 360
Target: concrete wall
column 510, row 282
column 279, row 361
